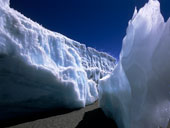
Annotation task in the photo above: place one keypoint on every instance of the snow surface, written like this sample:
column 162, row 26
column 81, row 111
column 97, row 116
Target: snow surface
column 137, row 93
column 43, row 69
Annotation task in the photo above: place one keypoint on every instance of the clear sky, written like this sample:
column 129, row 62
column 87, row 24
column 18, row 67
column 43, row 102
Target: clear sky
column 100, row 24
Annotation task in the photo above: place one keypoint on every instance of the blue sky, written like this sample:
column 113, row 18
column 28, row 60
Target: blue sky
column 100, row 24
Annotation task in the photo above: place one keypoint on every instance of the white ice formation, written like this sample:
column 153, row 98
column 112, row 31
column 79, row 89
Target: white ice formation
column 40, row 68
column 137, row 93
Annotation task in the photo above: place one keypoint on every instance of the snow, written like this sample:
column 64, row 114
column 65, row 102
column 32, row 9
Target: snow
column 44, row 69
column 137, row 93
column 4, row 3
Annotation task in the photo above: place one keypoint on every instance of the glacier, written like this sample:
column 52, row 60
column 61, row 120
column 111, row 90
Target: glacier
column 42, row 69
column 137, row 93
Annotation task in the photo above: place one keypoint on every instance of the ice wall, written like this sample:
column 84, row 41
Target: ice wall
column 4, row 2
column 96, row 64
column 137, row 93
column 43, row 69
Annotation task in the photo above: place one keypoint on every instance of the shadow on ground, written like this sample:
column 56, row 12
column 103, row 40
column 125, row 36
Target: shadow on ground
column 96, row 118
column 32, row 116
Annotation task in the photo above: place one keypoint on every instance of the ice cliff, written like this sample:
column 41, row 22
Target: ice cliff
column 43, row 69
column 137, row 93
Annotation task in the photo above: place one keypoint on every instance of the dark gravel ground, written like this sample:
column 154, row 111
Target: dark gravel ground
column 89, row 117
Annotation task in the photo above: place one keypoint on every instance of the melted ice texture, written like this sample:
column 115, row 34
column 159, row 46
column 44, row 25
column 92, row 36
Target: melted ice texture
column 137, row 93
column 42, row 69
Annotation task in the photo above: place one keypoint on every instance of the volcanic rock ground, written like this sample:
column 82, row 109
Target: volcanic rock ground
column 89, row 117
